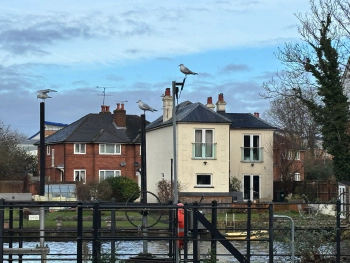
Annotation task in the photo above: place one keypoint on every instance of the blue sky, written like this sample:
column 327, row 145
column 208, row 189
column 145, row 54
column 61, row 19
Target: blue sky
column 134, row 48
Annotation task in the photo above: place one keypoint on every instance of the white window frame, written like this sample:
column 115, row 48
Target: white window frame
column 79, row 148
column 204, row 145
column 293, row 155
column 103, row 146
column 202, row 184
column 48, row 150
column 297, row 177
column 53, row 158
column 115, row 174
column 80, row 175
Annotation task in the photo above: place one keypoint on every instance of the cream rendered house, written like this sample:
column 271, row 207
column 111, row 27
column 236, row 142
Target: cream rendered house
column 212, row 147
column 202, row 150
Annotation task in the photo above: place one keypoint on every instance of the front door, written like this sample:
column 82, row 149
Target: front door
column 251, row 187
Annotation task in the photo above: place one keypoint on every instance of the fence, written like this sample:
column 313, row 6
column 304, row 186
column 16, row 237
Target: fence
column 321, row 190
column 92, row 225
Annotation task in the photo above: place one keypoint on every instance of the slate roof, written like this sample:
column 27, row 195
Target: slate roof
column 98, row 128
column 246, row 121
column 192, row 113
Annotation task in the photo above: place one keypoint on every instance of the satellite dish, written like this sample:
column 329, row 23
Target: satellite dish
column 122, row 164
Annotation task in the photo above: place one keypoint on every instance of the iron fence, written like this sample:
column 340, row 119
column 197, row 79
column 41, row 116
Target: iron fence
column 115, row 232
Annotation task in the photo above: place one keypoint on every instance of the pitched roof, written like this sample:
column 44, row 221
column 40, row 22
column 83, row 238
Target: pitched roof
column 98, row 128
column 191, row 113
column 246, row 121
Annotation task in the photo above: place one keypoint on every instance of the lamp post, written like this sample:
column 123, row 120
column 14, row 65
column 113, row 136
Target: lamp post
column 42, row 94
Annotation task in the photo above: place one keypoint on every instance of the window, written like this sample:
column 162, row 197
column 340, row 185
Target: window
column 251, row 150
column 104, row 174
column 52, row 157
column 80, row 175
column 110, row 149
column 79, row 148
column 48, row 150
column 203, row 180
column 203, row 147
column 293, row 155
column 297, row 177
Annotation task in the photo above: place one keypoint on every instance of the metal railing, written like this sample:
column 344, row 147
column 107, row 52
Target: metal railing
column 91, row 226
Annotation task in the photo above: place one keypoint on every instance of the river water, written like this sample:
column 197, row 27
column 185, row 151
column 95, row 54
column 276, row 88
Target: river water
column 66, row 251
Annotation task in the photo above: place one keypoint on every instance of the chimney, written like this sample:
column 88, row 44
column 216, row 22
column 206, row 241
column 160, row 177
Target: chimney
column 120, row 116
column 256, row 114
column 104, row 109
column 167, row 105
column 210, row 104
column 221, row 104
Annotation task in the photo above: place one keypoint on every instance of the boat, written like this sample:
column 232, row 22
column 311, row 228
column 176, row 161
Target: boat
column 242, row 235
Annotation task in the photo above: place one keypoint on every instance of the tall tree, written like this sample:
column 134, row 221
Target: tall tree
column 315, row 65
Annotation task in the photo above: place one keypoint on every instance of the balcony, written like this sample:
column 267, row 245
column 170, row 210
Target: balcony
column 203, row 150
column 252, row 154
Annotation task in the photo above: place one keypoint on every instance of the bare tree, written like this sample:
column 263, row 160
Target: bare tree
column 315, row 66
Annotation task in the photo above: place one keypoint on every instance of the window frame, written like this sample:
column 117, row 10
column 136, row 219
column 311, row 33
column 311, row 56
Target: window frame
column 110, row 144
column 116, row 174
column 204, row 185
column 297, row 177
column 48, row 150
column 75, row 175
column 204, row 149
column 79, row 148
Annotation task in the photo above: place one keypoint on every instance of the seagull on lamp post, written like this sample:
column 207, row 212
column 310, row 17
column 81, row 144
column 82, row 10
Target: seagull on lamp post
column 42, row 94
column 186, row 71
column 143, row 106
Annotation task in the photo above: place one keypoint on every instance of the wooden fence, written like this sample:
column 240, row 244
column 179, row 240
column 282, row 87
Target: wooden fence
column 321, row 190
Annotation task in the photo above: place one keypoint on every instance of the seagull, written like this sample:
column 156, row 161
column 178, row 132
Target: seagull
column 186, row 71
column 42, row 94
column 143, row 106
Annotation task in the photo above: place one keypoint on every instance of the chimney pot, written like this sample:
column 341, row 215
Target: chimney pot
column 118, row 106
column 257, row 114
column 167, row 92
column 210, row 100
column 107, row 109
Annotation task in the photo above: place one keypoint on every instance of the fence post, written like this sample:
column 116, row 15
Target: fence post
column 214, row 221
column 338, row 232
column 171, row 227
column 96, row 246
column 270, row 233
column 2, row 217
column 10, row 229
column 249, row 218
column 20, row 226
column 80, row 233
column 113, row 231
column 185, row 231
column 195, row 233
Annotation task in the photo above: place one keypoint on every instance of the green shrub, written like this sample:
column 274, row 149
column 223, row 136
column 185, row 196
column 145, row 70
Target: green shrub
column 123, row 189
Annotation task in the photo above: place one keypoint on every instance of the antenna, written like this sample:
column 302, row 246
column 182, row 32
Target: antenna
column 103, row 93
column 122, row 101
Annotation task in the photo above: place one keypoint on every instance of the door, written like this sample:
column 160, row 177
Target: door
column 251, row 187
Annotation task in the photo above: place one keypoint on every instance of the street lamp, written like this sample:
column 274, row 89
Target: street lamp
column 42, row 94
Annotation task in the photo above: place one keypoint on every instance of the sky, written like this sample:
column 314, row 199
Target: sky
column 131, row 50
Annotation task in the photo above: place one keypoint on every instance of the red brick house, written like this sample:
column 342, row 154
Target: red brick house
column 95, row 147
column 288, row 159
